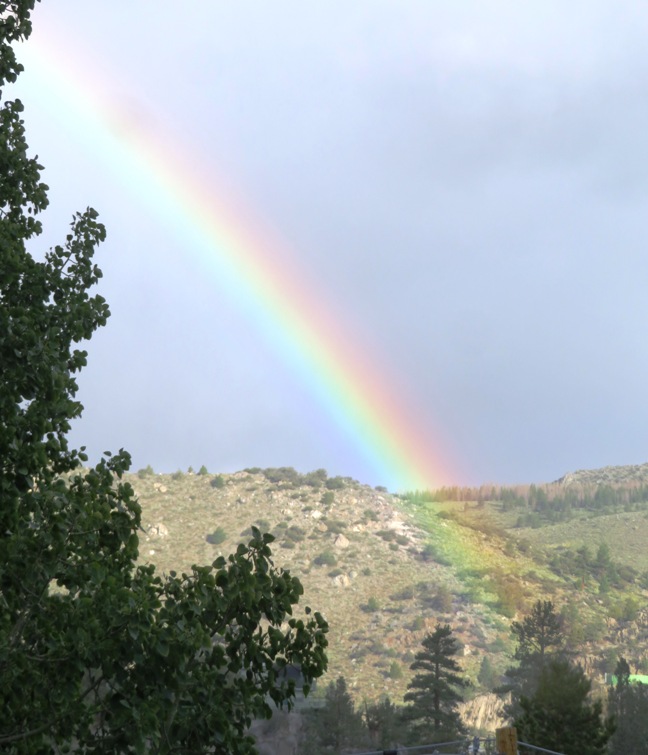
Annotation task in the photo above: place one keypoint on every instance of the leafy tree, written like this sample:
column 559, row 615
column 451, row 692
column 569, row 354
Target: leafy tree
column 628, row 703
column 434, row 695
column 98, row 654
column 559, row 715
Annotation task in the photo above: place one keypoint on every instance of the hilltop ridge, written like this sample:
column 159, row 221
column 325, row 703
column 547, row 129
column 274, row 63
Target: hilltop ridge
column 619, row 475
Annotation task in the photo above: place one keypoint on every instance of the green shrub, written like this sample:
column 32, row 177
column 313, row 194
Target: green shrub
column 447, row 515
column 283, row 474
column 393, row 546
column 407, row 593
column 336, row 526
column 179, row 475
column 373, row 605
column 146, row 472
column 395, row 671
column 625, row 610
column 366, row 572
column 295, row 533
column 335, row 572
column 218, row 482
column 315, row 479
column 203, row 470
column 524, row 545
column 336, row 483
column 370, row 515
column 431, row 553
column 443, row 600
column 328, row 498
column 402, row 540
column 326, row 558
column 217, row 537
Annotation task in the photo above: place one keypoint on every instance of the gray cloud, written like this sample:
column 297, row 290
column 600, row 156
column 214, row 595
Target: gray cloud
column 464, row 183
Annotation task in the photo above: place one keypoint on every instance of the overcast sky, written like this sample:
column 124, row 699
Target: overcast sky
column 464, row 185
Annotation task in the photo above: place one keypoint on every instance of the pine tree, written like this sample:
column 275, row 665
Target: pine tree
column 559, row 715
column 540, row 637
column 434, row 695
column 538, row 632
column 337, row 725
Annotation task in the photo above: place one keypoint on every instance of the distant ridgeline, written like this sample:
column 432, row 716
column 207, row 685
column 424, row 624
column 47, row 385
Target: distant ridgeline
column 606, row 491
column 581, row 495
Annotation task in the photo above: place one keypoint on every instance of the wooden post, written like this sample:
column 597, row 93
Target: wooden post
column 506, row 740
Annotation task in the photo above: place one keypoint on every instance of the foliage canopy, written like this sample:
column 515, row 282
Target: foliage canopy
column 98, row 653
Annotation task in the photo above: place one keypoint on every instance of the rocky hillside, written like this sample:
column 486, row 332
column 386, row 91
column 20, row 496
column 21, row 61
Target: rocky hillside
column 364, row 561
column 384, row 569
column 623, row 475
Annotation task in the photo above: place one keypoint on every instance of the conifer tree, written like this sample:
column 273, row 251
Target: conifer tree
column 434, row 694
column 338, row 725
column 559, row 715
column 540, row 637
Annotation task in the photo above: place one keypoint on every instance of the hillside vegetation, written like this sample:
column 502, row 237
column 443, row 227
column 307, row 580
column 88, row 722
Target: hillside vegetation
column 384, row 569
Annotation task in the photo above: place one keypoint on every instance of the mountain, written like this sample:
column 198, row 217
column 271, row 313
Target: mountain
column 384, row 569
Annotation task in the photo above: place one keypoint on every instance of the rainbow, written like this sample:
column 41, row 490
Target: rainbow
column 368, row 411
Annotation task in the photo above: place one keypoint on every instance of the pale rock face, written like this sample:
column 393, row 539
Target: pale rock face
column 341, row 542
column 484, row 712
column 158, row 530
column 342, row 580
